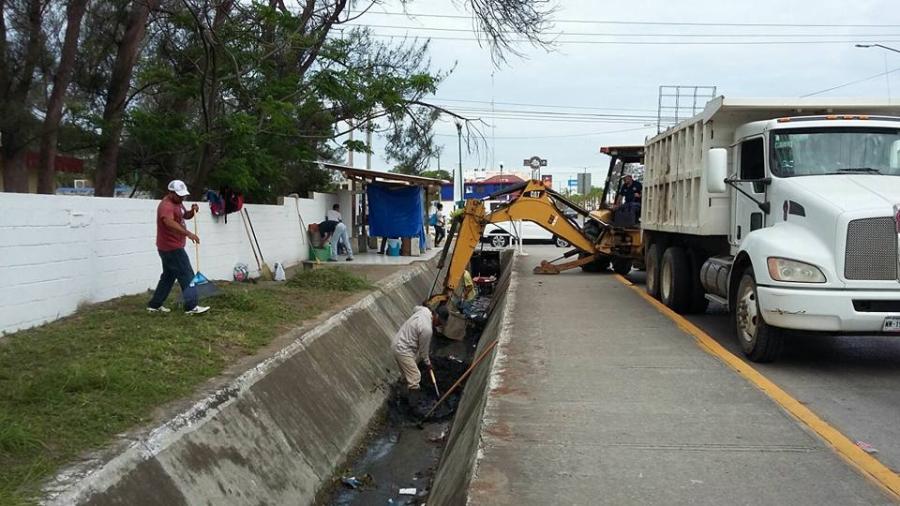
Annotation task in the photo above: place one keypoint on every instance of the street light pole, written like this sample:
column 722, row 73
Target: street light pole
column 887, row 73
column 462, row 188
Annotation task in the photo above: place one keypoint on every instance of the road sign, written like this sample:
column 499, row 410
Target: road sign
column 573, row 183
column 535, row 162
column 584, row 183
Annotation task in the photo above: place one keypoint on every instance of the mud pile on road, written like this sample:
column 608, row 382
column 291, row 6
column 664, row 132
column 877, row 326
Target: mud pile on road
column 397, row 463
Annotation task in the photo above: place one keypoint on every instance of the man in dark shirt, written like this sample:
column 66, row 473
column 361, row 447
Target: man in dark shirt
column 631, row 190
column 332, row 232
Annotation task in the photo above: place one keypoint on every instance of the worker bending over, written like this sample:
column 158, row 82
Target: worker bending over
column 412, row 344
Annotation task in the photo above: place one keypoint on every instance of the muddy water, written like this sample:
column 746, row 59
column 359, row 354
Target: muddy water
column 398, row 454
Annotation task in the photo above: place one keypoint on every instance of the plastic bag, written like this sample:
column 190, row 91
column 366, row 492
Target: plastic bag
column 279, row 272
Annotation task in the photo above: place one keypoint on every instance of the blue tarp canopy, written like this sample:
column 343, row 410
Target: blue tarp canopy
column 395, row 211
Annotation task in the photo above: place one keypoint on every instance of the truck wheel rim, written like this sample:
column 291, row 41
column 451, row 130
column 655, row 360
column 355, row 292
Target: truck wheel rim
column 498, row 241
column 747, row 313
column 666, row 287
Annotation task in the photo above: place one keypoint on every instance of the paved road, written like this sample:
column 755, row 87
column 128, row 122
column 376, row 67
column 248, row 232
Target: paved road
column 852, row 382
column 600, row 399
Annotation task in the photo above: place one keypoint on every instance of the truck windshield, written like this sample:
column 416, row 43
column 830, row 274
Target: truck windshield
column 819, row 151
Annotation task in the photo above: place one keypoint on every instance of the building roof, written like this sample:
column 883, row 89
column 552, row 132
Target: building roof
column 385, row 177
column 503, row 179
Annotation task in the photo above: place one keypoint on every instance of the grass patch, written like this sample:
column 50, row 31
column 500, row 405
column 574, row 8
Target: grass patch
column 329, row 279
column 70, row 386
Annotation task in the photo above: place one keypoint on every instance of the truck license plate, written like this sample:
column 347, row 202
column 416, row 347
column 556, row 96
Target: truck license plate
column 891, row 324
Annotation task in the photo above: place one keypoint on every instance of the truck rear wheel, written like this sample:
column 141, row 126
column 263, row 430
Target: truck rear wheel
column 759, row 341
column 675, row 280
column 651, row 263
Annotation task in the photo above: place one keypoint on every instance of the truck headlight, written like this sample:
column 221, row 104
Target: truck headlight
column 783, row 269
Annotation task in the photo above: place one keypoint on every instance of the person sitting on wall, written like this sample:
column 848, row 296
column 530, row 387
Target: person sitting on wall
column 333, row 232
column 412, row 344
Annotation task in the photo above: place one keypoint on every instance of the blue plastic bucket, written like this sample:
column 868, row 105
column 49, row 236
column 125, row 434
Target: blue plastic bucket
column 393, row 247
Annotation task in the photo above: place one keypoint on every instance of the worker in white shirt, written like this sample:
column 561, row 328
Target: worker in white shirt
column 340, row 235
column 334, row 214
column 412, row 344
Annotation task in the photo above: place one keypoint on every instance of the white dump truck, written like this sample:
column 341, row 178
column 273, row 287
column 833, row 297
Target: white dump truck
column 786, row 211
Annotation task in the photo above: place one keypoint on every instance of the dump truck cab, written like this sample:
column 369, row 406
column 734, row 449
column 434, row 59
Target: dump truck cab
column 814, row 211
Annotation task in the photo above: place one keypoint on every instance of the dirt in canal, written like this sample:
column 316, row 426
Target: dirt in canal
column 397, row 463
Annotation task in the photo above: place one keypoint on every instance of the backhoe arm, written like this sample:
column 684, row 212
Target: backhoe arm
column 535, row 204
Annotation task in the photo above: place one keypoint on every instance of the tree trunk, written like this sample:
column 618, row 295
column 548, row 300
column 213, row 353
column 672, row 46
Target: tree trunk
column 15, row 173
column 47, row 165
column 212, row 107
column 14, row 108
column 120, row 82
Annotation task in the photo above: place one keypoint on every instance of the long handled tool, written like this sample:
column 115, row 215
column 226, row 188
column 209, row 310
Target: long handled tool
column 458, row 382
column 205, row 287
column 264, row 271
column 434, row 382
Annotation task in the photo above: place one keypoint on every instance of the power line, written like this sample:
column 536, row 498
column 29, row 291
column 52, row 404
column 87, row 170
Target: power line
column 657, row 43
column 587, row 134
column 602, row 34
column 412, row 15
column 441, row 99
column 554, row 113
column 864, row 79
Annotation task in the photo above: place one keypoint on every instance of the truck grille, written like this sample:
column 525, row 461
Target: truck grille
column 871, row 249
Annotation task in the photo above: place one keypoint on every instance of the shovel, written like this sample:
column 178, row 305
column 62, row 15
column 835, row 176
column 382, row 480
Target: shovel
column 434, row 382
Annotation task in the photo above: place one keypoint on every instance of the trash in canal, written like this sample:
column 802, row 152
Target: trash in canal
column 407, row 491
column 355, row 483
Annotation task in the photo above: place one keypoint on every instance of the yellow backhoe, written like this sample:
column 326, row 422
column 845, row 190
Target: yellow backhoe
column 599, row 242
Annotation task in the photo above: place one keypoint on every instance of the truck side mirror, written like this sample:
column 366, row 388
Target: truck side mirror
column 716, row 170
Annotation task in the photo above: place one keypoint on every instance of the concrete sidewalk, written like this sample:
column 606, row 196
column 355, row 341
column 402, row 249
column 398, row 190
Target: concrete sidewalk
column 600, row 399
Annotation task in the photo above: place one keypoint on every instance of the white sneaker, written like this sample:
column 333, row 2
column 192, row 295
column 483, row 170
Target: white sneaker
column 160, row 309
column 198, row 310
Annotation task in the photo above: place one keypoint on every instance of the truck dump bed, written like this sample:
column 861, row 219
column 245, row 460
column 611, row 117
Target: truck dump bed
column 674, row 195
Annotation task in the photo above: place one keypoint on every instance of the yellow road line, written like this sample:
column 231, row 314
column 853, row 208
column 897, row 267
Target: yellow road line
column 866, row 464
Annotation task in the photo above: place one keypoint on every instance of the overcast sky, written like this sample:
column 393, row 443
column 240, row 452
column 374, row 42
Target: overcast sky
column 622, row 78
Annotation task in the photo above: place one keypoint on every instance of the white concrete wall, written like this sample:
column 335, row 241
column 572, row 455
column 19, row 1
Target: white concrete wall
column 57, row 252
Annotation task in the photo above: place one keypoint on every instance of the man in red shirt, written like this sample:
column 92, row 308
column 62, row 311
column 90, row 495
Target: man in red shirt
column 170, row 241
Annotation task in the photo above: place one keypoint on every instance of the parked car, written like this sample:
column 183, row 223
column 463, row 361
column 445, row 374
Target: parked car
column 504, row 234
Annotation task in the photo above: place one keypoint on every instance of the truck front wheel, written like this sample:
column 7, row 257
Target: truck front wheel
column 759, row 341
